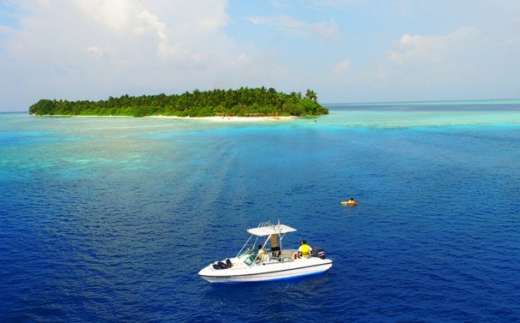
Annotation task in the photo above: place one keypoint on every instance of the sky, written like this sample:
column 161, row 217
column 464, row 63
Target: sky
column 347, row 51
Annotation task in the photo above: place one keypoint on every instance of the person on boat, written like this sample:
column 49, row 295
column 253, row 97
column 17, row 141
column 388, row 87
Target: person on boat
column 261, row 254
column 305, row 250
column 275, row 248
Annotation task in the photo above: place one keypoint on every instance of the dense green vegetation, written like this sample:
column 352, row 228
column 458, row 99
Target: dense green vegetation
column 241, row 102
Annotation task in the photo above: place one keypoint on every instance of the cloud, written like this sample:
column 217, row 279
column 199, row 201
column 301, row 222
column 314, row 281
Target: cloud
column 421, row 67
column 322, row 30
column 115, row 14
column 434, row 48
column 92, row 49
column 436, row 59
column 6, row 30
column 289, row 25
column 129, row 17
column 342, row 66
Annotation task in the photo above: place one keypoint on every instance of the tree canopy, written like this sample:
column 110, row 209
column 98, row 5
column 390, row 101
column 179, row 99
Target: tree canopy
column 241, row 102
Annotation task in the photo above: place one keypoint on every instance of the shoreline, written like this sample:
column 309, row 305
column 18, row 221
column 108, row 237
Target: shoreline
column 211, row 119
column 229, row 119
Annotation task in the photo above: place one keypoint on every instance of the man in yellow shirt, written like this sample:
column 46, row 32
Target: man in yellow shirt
column 305, row 250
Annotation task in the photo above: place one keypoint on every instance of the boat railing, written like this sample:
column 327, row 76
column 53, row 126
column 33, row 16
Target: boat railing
column 250, row 247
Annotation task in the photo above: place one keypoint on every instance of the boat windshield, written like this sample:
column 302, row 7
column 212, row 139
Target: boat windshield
column 249, row 260
column 246, row 252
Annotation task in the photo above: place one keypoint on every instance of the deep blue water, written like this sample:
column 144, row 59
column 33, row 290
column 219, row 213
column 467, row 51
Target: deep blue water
column 110, row 219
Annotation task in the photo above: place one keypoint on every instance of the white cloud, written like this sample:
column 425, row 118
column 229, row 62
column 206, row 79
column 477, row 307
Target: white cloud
column 95, row 48
column 322, row 30
column 116, row 14
column 92, row 49
column 342, row 66
column 127, row 17
column 6, row 30
column 422, row 67
column 434, row 48
column 458, row 56
column 100, row 52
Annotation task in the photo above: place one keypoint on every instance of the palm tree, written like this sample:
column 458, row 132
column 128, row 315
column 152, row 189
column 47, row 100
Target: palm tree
column 311, row 95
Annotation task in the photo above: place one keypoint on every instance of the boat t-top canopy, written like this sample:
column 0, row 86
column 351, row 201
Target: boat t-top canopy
column 263, row 231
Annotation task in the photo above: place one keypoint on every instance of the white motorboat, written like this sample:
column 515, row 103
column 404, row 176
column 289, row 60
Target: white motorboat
column 277, row 263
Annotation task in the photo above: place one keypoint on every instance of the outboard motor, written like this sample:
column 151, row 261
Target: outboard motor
column 318, row 252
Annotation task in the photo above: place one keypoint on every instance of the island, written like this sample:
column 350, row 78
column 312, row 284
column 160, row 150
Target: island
column 243, row 102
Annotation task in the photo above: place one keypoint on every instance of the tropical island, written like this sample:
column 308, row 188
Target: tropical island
column 244, row 102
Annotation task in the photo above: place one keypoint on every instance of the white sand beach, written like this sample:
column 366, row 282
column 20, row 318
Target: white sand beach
column 231, row 119
column 213, row 119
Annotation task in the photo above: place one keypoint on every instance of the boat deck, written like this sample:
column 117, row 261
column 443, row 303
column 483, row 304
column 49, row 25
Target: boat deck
column 286, row 255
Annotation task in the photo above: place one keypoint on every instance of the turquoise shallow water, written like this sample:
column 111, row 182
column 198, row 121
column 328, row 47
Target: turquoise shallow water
column 110, row 219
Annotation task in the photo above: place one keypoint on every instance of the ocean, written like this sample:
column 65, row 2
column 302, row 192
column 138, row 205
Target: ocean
column 110, row 219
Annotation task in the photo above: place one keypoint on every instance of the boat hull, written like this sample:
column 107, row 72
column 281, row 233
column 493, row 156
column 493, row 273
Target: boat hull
column 266, row 271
